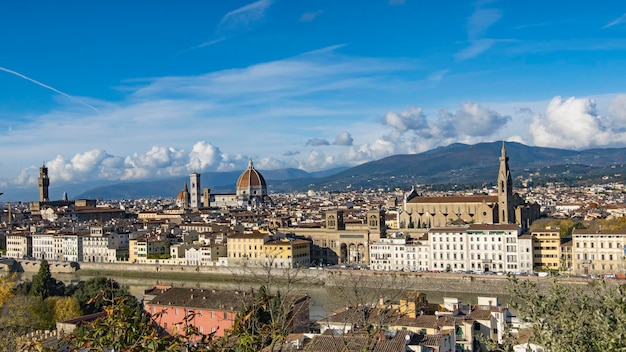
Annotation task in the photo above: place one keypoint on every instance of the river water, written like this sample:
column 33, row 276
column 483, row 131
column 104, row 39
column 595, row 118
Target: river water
column 322, row 301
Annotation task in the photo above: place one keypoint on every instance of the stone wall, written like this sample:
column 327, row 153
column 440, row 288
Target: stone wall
column 442, row 282
column 55, row 267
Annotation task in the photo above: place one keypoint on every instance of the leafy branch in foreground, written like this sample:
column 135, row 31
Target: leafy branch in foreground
column 572, row 317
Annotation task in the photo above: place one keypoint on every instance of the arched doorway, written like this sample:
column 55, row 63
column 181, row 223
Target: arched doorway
column 344, row 253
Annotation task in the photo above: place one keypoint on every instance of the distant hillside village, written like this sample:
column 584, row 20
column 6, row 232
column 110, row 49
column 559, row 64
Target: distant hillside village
column 484, row 232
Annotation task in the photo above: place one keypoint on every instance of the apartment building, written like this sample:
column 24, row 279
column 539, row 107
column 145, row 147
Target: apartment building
column 598, row 252
column 247, row 248
column 547, row 249
column 477, row 247
column 44, row 246
column 19, row 244
column 287, row 253
column 141, row 247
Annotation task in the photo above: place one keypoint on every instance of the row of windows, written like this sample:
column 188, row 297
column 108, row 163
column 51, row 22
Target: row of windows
column 591, row 245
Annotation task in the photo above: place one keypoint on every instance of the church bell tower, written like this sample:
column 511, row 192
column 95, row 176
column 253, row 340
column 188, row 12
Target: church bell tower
column 505, row 190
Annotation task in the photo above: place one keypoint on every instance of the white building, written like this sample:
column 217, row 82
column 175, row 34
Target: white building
column 72, row 247
column 19, row 245
column 477, row 247
column 399, row 252
column 102, row 245
column 525, row 254
column 388, row 253
column 43, row 246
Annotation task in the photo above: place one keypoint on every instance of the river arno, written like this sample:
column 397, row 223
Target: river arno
column 322, row 301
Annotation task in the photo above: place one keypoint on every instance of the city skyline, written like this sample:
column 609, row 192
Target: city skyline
column 131, row 91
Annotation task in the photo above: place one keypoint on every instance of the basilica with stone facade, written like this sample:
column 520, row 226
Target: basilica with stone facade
column 504, row 207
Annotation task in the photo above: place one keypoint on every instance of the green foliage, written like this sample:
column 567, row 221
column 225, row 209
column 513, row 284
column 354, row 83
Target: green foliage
column 121, row 329
column 159, row 256
column 21, row 315
column 100, row 287
column 63, row 308
column 572, row 318
column 6, row 288
column 566, row 226
column 44, row 285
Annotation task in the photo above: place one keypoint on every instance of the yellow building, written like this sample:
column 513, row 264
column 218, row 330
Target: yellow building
column 141, row 247
column 547, row 249
column 287, row 253
column 246, row 248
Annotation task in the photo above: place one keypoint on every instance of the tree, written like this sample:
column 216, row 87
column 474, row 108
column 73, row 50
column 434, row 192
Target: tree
column 44, row 285
column 21, row 315
column 63, row 308
column 122, row 328
column 7, row 283
column 572, row 318
column 101, row 287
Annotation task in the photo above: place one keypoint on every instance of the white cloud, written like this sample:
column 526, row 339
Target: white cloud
column 574, row 123
column 437, row 76
column 472, row 120
column 412, row 119
column 617, row 112
column 480, row 20
column 343, row 138
column 475, row 48
column 621, row 19
column 244, row 17
column 310, row 16
column 475, row 120
column 477, row 25
column 203, row 156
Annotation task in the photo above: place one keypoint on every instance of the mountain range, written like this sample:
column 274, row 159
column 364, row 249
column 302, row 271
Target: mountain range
column 453, row 166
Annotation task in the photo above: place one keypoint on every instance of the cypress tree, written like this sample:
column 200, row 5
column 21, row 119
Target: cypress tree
column 43, row 284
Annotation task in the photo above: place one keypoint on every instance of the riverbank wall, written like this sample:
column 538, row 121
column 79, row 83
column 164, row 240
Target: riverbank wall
column 442, row 282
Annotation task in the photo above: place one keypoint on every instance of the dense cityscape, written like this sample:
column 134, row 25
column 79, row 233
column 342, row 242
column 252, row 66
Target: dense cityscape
column 526, row 233
column 313, row 175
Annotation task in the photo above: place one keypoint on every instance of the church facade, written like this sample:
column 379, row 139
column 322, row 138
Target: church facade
column 250, row 191
column 504, row 207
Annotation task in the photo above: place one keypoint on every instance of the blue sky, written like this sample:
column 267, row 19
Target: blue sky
column 128, row 90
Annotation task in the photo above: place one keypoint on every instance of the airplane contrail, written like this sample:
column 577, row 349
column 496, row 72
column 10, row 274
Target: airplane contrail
column 48, row 87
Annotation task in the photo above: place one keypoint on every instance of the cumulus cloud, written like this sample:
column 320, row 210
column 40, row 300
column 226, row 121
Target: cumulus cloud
column 412, row 119
column 291, row 153
column 158, row 157
column 575, row 123
column 93, row 164
column 203, row 155
column 317, row 142
column 472, row 120
column 617, row 112
column 343, row 138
